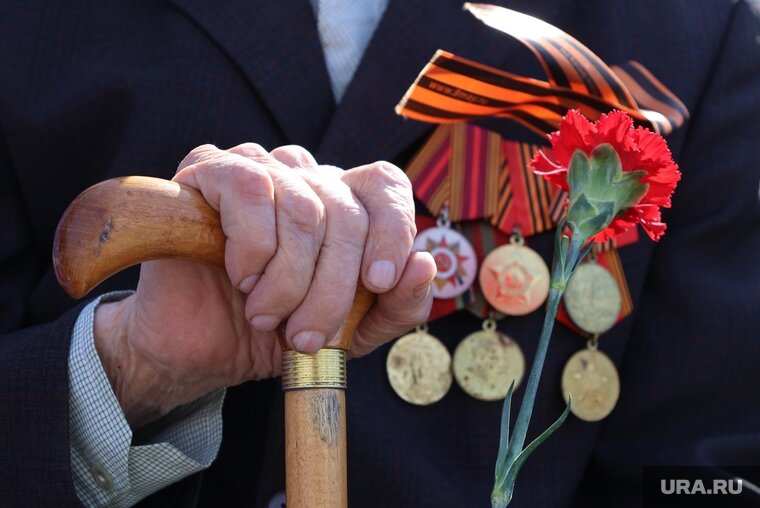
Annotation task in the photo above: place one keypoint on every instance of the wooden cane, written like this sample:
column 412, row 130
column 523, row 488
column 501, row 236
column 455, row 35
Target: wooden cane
column 125, row 221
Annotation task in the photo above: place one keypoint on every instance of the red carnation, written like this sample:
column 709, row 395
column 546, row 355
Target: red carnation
column 639, row 149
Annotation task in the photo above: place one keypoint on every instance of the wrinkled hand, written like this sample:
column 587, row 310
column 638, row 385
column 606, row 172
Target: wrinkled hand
column 299, row 237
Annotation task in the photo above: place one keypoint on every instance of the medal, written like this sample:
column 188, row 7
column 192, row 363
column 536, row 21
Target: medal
column 514, row 278
column 419, row 368
column 592, row 298
column 593, row 302
column 487, row 362
column 592, row 379
column 454, row 257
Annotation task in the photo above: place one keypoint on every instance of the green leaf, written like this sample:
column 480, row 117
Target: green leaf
column 605, row 167
column 577, row 173
column 580, row 211
column 590, row 226
column 629, row 190
column 501, row 458
column 504, row 494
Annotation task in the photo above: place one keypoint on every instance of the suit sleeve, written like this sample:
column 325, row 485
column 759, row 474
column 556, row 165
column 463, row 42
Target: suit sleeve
column 34, row 458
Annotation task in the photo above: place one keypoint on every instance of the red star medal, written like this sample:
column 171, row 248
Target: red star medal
column 454, row 257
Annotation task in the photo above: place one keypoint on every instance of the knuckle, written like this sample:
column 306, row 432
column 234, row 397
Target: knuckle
column 388, row 171
column 252, row 183
column 300, row 156
column 199, row 154
column 397, row 229
column 249, row 149
column 307, row 213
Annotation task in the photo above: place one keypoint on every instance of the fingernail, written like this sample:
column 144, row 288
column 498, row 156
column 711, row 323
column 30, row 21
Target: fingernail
column 265, row 323
column 381, row 274
column 421, row 291
column 248, row 283
column 308, row 341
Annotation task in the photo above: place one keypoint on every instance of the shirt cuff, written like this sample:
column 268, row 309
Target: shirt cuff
column 107, row 468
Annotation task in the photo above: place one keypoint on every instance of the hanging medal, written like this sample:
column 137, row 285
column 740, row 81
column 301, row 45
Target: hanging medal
column 487, row 362
column 593, row 302
column 419, row 367
column 454, row 257
column 514, row 278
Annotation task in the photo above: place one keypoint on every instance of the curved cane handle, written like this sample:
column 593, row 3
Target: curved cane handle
column 125, row 221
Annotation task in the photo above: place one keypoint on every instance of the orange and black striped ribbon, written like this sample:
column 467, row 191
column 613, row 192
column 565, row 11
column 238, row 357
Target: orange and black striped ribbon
column 524, row 198
column 455, row 89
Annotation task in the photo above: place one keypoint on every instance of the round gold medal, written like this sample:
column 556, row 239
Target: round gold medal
column 514, row 279
column 592, row 298
column 419, row 368
column 592, row 379
column 486, row 363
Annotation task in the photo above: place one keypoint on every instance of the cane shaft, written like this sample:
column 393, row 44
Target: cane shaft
column 315, row 448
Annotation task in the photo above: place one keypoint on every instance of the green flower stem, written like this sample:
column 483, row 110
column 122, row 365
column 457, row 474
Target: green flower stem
column 562, row 270
column 526, row 408
column 509, row 463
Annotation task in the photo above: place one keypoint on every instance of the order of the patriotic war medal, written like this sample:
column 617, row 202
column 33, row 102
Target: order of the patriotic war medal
column 592, row 298
column 487, row 362
column 454, row 257
column 514, row 278
column 419, row 368
column 592, row 379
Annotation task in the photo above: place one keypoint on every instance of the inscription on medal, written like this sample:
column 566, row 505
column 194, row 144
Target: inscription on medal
column 486, row 363
column 592, row 379
column 419, row 368
column 592, row 298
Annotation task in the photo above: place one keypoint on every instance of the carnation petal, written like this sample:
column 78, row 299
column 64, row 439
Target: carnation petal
column 575, row 132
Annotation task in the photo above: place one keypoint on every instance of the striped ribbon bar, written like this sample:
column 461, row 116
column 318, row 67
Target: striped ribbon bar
column 482, row 176
column 524, row 198
column 459, row 166
column 454, row 89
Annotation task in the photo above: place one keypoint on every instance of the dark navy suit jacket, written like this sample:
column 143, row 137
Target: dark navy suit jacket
column 92, row 90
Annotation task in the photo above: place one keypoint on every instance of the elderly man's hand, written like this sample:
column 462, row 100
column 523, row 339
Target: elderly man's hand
column 299, row 237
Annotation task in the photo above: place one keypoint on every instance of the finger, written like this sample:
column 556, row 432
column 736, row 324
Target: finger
column 400, row 309
column 300, row 225
column 243, row 193
column 294, row 156
column 332, row 289
column 386, row 194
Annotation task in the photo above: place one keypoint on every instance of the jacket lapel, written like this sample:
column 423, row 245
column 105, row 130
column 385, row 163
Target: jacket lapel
column 365, row 126
column 276, row 46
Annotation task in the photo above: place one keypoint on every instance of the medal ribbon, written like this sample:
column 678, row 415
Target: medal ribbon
column 458, row 165
column 455, row 89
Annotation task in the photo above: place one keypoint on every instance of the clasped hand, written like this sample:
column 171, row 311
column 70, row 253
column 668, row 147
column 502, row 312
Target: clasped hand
column 299, row 237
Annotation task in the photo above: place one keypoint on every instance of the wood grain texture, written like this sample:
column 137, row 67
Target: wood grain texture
column 315, row 448
column 125, row 221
